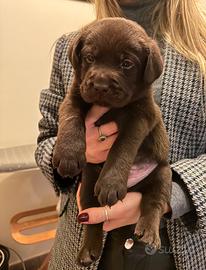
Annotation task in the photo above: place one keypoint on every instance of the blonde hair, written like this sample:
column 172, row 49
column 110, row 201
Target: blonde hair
column 182, row 23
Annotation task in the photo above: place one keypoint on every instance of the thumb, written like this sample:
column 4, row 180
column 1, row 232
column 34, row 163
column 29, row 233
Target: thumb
column 94, row 114
column 92, row 215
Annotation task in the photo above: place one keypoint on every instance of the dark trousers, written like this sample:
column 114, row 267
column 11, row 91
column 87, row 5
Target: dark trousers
column 139, row 257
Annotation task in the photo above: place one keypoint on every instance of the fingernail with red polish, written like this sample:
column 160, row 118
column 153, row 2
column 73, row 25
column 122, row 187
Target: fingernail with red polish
column 84, row 217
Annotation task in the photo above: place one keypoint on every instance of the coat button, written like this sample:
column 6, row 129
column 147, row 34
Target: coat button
column 129, row 243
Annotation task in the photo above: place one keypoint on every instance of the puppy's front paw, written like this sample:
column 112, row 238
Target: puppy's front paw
column 69, row 162
column 109, row 192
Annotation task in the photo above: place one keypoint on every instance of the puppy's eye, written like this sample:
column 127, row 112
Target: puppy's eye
column 89, row 58
column 126, row 64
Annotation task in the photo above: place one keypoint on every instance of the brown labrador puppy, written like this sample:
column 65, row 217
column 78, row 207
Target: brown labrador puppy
column 115, row 64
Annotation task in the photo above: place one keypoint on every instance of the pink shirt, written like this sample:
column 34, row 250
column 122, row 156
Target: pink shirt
column 139, row 171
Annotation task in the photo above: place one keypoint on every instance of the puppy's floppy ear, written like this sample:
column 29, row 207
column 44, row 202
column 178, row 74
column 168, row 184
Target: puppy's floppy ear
column 75, row 51
column 154, row 65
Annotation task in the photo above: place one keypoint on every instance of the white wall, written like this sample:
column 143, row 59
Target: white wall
column 28, row 30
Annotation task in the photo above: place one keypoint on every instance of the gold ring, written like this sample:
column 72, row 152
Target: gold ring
column 102, row 137
column 106, row 214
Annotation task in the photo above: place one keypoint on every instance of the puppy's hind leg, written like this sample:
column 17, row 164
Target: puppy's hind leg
column 155, row 198
column 93, row 233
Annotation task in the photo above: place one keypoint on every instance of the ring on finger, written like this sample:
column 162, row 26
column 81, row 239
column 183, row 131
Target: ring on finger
column 102, row 137
column 106, row 214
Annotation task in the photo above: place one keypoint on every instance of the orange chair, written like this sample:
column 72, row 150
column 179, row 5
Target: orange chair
column 19, row 228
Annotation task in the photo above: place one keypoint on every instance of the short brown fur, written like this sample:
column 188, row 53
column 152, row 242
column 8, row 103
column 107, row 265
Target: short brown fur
column 115, row 64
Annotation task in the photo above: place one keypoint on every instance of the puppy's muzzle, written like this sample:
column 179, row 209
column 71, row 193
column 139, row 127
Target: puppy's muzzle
column 103, row 88
column 102, row 83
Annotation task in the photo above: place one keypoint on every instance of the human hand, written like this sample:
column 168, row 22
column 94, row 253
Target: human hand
column 122, row 213
column 97, row 151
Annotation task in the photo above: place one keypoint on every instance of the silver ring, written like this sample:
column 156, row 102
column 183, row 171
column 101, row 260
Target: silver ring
column 102, row 137
column 106, row 214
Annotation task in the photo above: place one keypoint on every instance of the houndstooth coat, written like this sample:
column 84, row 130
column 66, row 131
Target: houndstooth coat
column 183, row 105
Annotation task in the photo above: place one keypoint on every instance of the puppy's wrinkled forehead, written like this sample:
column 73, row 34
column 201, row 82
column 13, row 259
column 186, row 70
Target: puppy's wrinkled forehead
column 114, row 34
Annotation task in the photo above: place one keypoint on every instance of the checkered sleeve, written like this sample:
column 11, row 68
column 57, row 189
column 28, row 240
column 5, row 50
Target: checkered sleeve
column 193, row 174
column 50, row 100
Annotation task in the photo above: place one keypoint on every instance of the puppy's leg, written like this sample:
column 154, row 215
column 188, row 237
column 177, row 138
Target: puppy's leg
column 69, row 151
column 112, row 183
column 92, row 242
column 155, row 198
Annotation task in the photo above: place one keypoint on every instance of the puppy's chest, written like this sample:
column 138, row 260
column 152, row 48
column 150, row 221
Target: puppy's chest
column 120, row 116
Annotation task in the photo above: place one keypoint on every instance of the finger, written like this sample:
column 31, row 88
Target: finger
column 107, row 144
column 101, row 157
column 115, row 224
column 96, row 215
column 78, row 198
column 122, row 213
column 108, row 129
column 94, row 114
column 105, row 155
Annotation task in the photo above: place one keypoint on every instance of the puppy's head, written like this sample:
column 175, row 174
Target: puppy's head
column 115, row 62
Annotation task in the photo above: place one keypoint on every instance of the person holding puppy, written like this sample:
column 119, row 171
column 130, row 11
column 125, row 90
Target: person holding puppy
column 179, row 29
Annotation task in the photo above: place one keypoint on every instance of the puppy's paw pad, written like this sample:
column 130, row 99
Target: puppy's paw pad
column 87, row 257
column 149, row 237
column 151, row 240
column 69, row 165
column 139, row 234
column 110, row 193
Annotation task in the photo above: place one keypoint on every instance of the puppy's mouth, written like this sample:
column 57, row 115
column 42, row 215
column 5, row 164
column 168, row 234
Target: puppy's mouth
column 104, row 94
